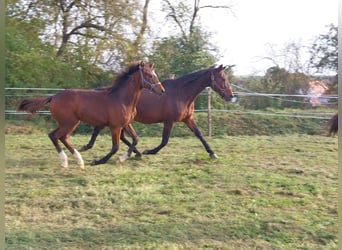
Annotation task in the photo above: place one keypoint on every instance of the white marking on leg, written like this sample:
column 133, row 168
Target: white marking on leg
column 80, row 161
column 64, row 159
column 123, row 157
column 214, row 156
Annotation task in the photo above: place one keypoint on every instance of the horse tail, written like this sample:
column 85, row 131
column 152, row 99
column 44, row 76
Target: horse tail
column 333, row 125
column 32, row 105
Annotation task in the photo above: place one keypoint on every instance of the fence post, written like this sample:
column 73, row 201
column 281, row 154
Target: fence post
column 209, row 110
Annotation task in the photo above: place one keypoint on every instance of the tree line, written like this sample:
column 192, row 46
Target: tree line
column 83, row 43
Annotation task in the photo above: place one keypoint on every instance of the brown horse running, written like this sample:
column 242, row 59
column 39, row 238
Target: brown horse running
column 333, row 125
column 176, row 105
column 114, row 107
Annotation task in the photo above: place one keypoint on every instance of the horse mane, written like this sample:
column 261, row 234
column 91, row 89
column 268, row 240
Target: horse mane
column 194, row 75
column 123, row 76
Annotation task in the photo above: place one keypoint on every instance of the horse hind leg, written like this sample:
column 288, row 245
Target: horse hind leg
column 193, row 127
column 62, row 134
column 165, row 139
column 73, row 151
column 61, row 154
column 90, row 144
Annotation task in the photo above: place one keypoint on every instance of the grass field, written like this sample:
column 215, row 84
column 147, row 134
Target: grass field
column 263, row 192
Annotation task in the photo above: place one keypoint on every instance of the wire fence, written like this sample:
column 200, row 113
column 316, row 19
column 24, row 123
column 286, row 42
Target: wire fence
column 12, row 95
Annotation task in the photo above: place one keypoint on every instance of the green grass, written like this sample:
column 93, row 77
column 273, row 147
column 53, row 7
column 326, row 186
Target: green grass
column 263, row 192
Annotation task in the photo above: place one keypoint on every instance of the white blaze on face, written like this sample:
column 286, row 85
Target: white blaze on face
column 79, row 159
column 154, row 73
column 64, row 159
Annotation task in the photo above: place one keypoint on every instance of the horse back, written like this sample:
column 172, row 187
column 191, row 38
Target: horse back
column 89, row 106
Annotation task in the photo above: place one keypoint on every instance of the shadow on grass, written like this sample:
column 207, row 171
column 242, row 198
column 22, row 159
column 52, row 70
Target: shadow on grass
column 154, row 234
column 131, row 234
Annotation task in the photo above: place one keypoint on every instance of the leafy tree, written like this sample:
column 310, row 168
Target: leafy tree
column 324, row 54
column 30, row 62
column 188, row 49
column 90, row 35
column 72, row 43
column 175, row 56
column 276, row 80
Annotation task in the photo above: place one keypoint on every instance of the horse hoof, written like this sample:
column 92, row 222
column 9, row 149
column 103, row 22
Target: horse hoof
column 93, row 163
column 84, row 148
column 149, row 152
column 213, row 156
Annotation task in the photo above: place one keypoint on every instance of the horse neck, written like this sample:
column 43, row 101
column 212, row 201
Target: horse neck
column 128, row 94
column 192, row 89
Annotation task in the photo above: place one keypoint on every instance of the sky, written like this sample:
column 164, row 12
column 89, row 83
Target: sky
column 244, row 35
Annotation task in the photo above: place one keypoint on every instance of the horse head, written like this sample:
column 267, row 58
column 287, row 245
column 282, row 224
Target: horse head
column 149, row 78
column 220, row 83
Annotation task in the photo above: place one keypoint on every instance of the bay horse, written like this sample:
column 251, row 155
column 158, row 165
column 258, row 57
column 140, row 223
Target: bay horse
column 333, row 125
column 114, row 107
column 176, row 105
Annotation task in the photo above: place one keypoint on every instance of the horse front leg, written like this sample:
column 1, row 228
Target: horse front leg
column 96, row 131
column 115, row 147
column 165, row 139
column 193, row 127
column 131, row 132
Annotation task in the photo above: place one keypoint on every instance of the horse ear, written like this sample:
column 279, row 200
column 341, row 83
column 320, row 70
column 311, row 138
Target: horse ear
column 230, row 66
column 142, row 64
column 220, row 67
column 151, row 65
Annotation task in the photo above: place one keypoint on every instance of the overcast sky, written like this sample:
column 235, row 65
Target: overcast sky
column 243, row 36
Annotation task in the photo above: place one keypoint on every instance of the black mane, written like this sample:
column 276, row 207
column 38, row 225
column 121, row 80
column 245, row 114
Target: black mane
column 194, row 75
column 123, row 76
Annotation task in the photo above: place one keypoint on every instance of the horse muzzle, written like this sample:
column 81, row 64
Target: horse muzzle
column 230, row 98
column 157, row 88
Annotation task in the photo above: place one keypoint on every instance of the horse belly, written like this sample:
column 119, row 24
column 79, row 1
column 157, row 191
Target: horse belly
column 84, row 105
column 93, row 113
column 152, row 111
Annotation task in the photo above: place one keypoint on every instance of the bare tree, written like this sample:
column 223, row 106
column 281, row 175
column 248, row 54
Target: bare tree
column 185, row 16
column 291, row 57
